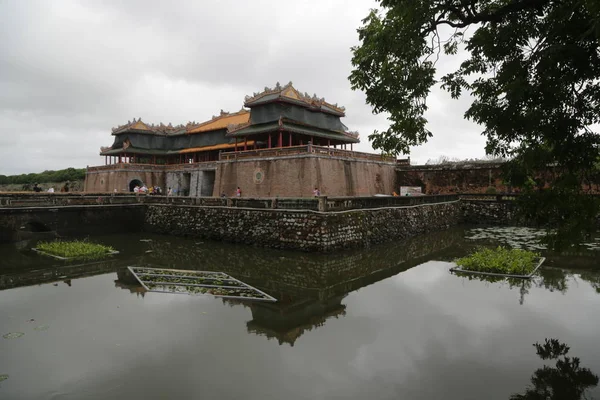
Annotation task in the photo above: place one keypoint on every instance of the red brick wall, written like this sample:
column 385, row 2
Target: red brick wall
column 298, row 176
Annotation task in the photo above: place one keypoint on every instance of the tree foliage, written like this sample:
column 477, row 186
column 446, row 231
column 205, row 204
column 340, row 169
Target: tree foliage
column 532, row 68
column 63, row 175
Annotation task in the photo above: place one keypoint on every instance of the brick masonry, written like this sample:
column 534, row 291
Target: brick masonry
column 285, row 176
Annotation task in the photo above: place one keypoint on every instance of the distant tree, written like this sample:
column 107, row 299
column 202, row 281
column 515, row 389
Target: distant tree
column 63, row 175
column 532, row 67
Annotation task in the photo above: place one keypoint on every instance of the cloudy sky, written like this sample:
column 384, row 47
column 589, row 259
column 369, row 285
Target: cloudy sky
column 70, row 70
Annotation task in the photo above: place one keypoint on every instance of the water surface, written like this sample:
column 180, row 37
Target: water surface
column 385, row 323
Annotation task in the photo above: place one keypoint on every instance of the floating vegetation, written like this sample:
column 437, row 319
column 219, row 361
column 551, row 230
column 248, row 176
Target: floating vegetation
column 519, row 237
column 500, row 261
column 3, row 377
column 13, row 335
column 65, row 250
column 196, row 283
column 41, row 328
column 515, row 237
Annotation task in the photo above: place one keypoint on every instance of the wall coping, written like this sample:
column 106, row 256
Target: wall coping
column 308, row 155
column 297, row 211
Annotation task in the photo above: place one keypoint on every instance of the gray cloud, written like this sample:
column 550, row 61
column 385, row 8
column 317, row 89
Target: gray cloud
column 71, row 70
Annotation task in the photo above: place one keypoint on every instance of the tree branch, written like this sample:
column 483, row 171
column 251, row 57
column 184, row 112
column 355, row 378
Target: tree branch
column 461, row 18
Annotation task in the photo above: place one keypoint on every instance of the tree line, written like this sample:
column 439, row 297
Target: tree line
column 63, row 175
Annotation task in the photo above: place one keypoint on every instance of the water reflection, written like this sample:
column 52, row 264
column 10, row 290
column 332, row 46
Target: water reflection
column 551, row 279
column 348, row 325
column 309, row 287
column 566, row 380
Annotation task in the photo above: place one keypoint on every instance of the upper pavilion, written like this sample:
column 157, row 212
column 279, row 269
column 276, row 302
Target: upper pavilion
column 276, row 117
column 282, row 117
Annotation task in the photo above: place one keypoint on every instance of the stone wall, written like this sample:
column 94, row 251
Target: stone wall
column 489, row 212
column 447, row 179
column 469, row 178
column 302, row 230
column 297, row 176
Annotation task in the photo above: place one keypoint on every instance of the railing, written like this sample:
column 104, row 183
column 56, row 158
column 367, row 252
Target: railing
column 196, row 165
column 16, row 200
column 152, row 167
column 308, row 149
column 357, row 203
column 499, row 197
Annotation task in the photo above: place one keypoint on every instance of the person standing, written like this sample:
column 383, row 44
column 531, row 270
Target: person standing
column 238, row 192
column 36, row 188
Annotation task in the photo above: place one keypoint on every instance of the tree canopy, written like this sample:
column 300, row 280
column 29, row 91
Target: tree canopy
column 63, row 175
column 532, row 68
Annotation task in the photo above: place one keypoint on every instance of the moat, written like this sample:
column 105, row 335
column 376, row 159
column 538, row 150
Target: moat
column 386, row 322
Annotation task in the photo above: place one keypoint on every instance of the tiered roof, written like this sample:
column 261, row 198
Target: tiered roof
column 159, row 129
column 289, row 94
column 222, row 121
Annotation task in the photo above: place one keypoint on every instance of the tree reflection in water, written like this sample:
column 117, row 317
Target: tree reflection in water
column 567, row 380
column 552, row 279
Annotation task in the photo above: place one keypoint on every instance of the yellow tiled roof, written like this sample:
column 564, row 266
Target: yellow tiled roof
column 215, row 147
column 222, row 121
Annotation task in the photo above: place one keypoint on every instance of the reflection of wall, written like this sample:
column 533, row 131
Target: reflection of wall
column 71, row 220
column 52, row 274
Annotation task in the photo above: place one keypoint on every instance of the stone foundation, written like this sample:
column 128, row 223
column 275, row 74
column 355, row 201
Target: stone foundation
column 302, row 230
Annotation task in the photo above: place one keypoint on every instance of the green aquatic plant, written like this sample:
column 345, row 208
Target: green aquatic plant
column 12, row 335
column 500, row 261
column 75, row 249
column 3, row 377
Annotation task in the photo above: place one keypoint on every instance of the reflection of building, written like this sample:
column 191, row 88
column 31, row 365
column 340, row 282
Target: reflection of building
column 286, row 144
column 126, row 280
column 288, row 322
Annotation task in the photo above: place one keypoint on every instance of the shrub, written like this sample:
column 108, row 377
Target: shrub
column 500, row 261
column 490, row 190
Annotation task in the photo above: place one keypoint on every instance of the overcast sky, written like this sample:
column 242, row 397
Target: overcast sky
column 71, row 70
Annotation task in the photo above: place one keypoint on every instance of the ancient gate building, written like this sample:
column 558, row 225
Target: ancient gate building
column 283, row 143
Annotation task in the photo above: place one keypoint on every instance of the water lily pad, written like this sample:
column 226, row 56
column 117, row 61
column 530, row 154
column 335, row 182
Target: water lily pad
column 41, row 328
column 13, row 335
column 3, row 377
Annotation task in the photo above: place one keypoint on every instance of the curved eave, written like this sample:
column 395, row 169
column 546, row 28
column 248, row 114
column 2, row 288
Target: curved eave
column 301, row 103
column 289, row 127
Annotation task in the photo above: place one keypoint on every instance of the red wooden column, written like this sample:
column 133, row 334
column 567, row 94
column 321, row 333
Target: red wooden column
column 290, row 141
column 246, row 143
column 351, row 147
column 280, row 143
column 105, row 160
column 328, row 143
column 269, row 141
column 235, row 146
